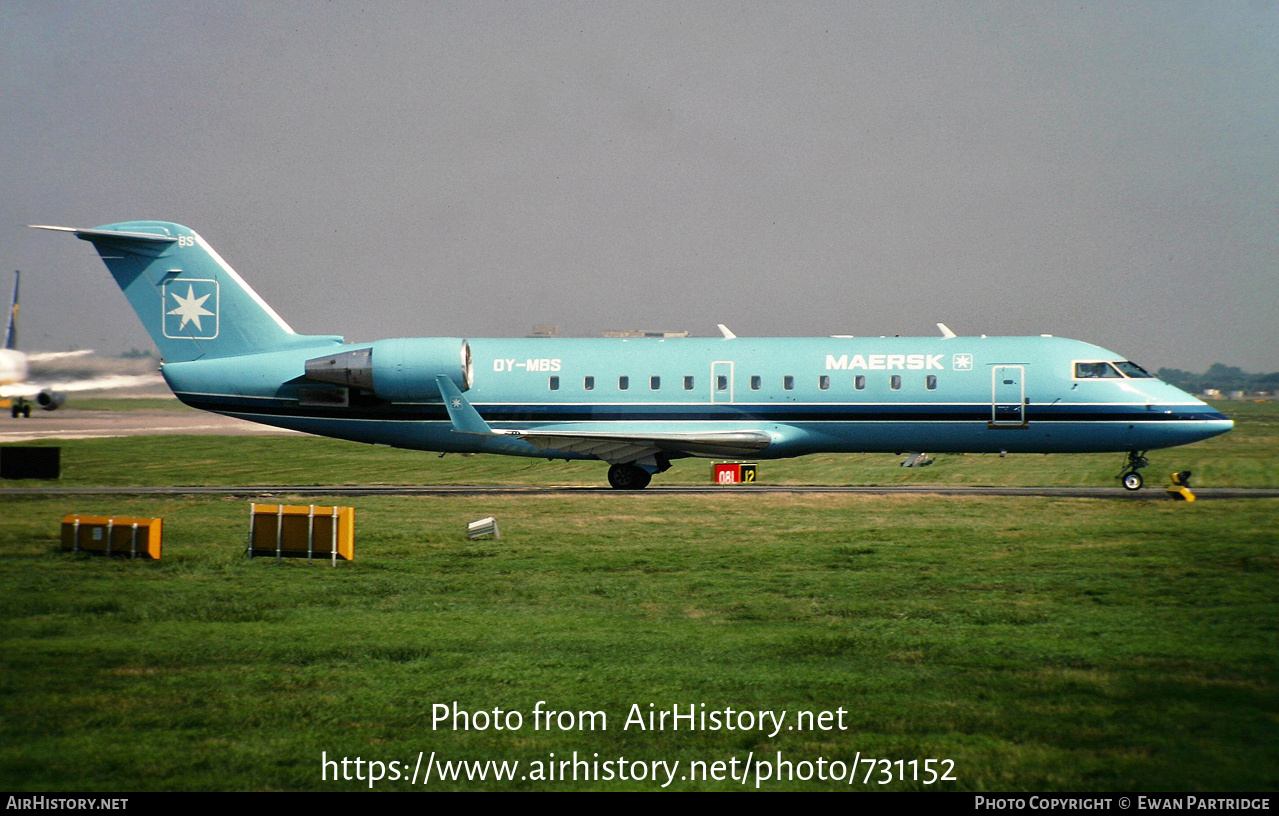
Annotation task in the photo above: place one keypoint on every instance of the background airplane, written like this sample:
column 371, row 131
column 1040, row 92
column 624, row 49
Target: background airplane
column 638, row 404
column 18, row 392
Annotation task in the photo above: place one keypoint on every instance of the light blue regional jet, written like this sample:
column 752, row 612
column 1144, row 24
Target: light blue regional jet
column 637, row 404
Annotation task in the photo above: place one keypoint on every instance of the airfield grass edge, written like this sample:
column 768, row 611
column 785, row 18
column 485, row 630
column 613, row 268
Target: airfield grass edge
column 1042, row 644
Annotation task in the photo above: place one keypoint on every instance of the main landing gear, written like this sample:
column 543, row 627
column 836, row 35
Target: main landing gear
column 628, row 477
column 1129, row 476
column 20, row 407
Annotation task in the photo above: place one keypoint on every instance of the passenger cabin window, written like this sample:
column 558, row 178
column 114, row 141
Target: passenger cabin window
column 1096, row 371
column 859, row 382
column 623, row 383
column 756, row 383
column 823, row 382
column 655, row 383
column 895, row 382
column 930, row 382
column 688, row 383
column 555, row 383
column 588, row 384
column 788, row 382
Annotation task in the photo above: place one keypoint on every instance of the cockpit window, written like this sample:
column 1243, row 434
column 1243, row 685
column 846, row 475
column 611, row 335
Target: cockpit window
column 1133, row 370
column 1096, row 371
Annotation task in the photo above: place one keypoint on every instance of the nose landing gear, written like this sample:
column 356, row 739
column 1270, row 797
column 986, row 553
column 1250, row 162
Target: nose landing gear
column 1129, row 477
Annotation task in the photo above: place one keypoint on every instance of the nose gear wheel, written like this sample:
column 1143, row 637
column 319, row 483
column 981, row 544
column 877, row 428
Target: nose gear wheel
column 1129, row 476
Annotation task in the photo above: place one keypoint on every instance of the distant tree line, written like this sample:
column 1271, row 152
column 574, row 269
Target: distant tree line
column 1221, row 377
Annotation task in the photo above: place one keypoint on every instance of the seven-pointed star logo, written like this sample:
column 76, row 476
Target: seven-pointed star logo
column 963, row 362
column 457, row 403
column 190, row 308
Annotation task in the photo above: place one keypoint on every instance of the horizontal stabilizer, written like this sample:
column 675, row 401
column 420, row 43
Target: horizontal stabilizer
column 98, row 234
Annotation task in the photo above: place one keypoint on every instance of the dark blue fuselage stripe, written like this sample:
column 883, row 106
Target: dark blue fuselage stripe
column 704, row 413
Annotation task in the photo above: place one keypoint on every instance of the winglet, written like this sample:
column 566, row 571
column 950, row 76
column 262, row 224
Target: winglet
column 945, row 331
column 724, row 330
column 463, row 415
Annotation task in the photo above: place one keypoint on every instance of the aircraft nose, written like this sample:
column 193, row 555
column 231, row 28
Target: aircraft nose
column 1213, row 424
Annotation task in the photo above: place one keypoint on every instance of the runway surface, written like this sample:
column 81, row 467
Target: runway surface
column 69, row 423
column 261, row 491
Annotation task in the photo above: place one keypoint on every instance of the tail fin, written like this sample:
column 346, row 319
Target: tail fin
column 11, row 334
column 191, row 302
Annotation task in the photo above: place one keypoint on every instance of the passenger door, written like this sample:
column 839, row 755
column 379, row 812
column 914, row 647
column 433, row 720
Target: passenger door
column 1008, row 396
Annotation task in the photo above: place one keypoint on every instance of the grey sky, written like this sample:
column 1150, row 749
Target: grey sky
column 1105, row 171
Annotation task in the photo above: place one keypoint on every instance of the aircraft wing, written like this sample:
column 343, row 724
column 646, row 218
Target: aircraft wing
column 614, row 447
column 621, row 447
column 31, row 388
column 46, row 356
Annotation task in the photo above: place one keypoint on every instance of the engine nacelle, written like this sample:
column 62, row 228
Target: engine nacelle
column 50, row 400
column 401, row 370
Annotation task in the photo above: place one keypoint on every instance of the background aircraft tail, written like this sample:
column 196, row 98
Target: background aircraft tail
column 191, row 302
column 11, row 333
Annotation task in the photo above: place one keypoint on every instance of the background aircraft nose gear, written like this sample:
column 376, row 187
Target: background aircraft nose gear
column 1129, row 477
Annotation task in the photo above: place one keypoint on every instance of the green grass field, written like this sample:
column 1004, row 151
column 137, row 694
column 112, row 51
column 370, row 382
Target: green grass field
column 1039, row 644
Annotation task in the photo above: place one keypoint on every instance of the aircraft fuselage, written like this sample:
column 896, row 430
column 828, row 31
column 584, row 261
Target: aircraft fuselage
column 637, row 403
column 962, row 394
